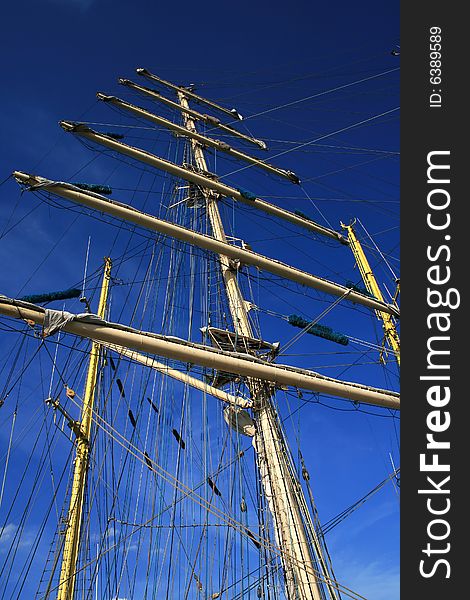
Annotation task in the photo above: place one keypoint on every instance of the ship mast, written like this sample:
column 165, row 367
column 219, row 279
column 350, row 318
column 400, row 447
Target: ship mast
column 388, row 322
column 301, row 571
column 82, row 431
column 306, row 571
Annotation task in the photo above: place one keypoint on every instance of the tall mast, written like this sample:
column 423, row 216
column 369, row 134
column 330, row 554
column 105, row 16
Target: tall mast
column 281, row 491
column 388, row 322
column 83, row 429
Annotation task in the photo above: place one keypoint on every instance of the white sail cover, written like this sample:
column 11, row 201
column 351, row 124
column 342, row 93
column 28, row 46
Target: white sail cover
column 239, row 420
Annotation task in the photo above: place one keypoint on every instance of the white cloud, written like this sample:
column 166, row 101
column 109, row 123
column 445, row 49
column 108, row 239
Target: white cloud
column 7, row 537
column 375, row 581
column 7, row 533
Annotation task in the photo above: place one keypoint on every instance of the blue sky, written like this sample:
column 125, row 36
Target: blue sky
column 258, row 57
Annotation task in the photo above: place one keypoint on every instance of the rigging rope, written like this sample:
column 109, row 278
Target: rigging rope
column 316, row 95
column 169, row 478
column 314, row 322
column 378, row 250
column 322, row 137
column 329, row 525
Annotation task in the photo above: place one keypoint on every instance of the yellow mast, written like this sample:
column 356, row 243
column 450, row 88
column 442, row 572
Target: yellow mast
column 74, row 517
column 389, row 327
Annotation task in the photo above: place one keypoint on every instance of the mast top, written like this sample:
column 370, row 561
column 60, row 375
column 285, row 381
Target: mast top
column 209, row 119
column 233, row 112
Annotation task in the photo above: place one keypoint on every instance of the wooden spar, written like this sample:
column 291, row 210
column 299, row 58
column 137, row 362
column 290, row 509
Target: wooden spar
column 389, row 327
column 148, row 361
column 208, row 119
column 272, row 457
column 66, row 587
column 240, row 364
column 198, row 178
column 232, row 112
column 202, row 139
column 248, row 257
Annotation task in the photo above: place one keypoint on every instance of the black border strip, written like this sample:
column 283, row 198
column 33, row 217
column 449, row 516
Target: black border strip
column 426, row 128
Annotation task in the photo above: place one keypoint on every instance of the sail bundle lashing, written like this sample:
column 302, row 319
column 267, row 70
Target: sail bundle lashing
column 322, row 331
column 94, row 187
column 52, row 296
